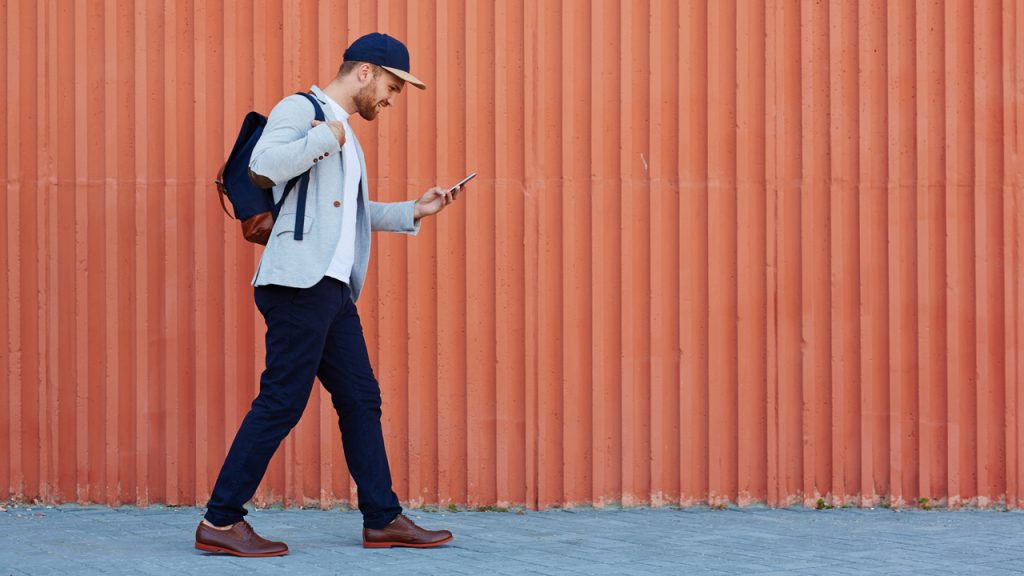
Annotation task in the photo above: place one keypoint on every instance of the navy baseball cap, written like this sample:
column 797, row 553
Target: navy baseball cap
column 386, row 52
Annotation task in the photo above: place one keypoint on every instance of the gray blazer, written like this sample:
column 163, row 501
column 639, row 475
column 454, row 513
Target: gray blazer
column 288, row 148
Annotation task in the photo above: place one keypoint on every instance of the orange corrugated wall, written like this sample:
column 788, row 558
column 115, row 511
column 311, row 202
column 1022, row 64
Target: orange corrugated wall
column 718, row 251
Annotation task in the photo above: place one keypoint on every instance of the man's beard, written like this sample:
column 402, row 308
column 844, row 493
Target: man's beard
column 365, row 105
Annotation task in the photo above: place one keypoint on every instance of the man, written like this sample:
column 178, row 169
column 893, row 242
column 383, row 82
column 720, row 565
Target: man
column 306, row 290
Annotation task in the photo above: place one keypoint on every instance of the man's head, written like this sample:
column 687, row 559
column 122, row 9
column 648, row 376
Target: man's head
column 378, row 66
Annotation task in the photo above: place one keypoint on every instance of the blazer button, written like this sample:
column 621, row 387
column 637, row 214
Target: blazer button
column 314, row 160
column 327, row 153
column 321, row 157
column 337, row 204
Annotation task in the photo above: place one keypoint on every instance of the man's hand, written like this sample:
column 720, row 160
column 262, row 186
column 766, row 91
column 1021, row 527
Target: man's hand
column 434, row 201
column 336, row 127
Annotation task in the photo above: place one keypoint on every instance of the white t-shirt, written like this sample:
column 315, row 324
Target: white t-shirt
column 345, row 252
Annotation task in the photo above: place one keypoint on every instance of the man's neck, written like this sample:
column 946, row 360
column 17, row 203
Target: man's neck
column 342, row 94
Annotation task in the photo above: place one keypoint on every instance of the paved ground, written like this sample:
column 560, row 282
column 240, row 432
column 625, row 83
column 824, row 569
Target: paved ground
column 158, row 541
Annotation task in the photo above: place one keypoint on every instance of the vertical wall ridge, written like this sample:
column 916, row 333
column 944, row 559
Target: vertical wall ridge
column 7, row 434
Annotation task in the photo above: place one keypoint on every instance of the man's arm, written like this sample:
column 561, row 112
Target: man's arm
column 394, row 217
column 288, row 146
column 405, row 217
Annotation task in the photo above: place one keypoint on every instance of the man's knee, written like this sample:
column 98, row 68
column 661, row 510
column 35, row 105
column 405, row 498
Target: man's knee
column 278, row 408
column 358, row 402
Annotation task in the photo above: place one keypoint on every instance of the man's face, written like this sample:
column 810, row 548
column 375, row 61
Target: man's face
column 378, row 93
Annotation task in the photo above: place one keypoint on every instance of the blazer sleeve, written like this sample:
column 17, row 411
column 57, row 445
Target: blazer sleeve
column 288, row 147
column 393, row 217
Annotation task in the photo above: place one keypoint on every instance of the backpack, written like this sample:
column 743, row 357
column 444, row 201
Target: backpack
column 252, row 204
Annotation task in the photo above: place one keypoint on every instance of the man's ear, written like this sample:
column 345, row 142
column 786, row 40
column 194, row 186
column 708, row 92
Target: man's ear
column 365, row 73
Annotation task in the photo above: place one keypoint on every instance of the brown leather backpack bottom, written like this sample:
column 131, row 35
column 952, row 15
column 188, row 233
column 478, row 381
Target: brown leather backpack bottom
column 257, row 228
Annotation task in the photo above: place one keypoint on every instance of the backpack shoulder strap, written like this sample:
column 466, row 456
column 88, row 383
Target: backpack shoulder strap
column 317, row 110
column 302, row 179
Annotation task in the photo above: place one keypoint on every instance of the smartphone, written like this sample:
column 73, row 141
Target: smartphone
column 463, row 181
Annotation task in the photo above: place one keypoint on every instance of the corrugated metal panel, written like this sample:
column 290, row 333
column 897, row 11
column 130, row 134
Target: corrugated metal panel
column 718, row 252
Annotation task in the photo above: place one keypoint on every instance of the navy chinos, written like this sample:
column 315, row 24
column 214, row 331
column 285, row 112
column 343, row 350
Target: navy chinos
column 310, row 332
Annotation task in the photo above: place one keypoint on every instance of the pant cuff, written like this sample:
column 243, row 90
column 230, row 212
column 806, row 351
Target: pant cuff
column 379, row 521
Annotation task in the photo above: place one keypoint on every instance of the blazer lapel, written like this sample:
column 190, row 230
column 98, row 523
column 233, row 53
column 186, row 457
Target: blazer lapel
column 362, row 171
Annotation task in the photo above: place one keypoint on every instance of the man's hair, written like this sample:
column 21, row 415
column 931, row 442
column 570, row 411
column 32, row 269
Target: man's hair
column 348, row 66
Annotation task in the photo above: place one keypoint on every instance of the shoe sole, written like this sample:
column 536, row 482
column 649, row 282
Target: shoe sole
column 218, row 549
column 404, row 545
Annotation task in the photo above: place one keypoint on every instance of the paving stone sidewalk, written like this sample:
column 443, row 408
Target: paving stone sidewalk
column 158, row 541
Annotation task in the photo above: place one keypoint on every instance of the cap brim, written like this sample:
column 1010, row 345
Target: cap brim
column 407, row 77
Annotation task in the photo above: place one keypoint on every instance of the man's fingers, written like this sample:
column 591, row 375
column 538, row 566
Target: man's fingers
column 445, row 196
column 335, row 127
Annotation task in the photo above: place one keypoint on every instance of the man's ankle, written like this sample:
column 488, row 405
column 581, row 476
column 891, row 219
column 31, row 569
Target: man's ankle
column 215, row 527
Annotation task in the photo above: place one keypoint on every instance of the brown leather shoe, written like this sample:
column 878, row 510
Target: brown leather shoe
column 403, row 532
column 239, row 540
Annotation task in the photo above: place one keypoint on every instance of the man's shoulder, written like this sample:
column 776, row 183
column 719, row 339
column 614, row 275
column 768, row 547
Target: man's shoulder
column 294, row 105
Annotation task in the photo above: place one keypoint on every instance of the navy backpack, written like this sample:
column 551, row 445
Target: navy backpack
column 254, row 205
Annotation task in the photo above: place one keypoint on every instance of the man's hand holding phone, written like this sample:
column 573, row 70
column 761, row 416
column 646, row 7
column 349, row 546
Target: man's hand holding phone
column 437, row 198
